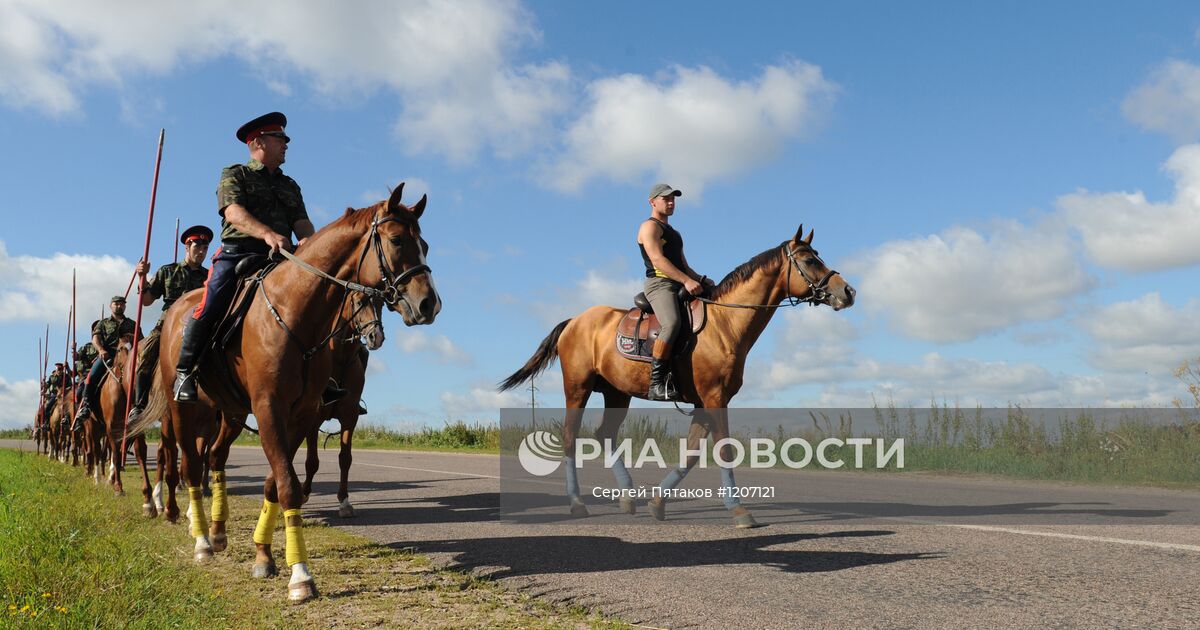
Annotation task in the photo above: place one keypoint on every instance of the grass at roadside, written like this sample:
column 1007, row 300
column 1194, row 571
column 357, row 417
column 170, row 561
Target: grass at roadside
column 75, row 556
column 454, row 437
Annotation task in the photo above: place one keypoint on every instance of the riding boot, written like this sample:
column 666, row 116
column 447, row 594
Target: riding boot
column 141, row 392
column 661, row 387
column 332, row 393
column 195, row 334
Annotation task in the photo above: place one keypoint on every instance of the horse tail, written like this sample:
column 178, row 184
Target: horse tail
column 156, row 407
column 546, row 353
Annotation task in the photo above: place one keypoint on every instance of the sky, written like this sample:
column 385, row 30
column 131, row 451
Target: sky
column 1013, row 188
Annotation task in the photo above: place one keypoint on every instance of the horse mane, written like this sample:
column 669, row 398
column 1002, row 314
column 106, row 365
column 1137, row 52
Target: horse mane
column 742, row 272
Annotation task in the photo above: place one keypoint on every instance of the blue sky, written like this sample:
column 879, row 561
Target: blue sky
column 1014, row 189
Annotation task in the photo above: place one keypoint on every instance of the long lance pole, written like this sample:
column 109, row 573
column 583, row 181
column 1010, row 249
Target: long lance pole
column 46, row 360
column 137, row 321
column 74, row 340
column 67, row 349
column 176, row 240
column 37, row 418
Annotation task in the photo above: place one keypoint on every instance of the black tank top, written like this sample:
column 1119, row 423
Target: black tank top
column 672, row 246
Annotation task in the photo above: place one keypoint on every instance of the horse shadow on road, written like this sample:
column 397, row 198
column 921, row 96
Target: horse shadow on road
column 565, row 554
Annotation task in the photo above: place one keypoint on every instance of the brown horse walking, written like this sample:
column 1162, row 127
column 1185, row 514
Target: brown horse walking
column 350, row 355
column 280, row 363
column 741, row 307
column 110, row 416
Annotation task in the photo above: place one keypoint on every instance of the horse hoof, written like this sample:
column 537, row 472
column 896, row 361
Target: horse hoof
column 578, row 509
column 745, row 521
column 302, row 591
column 346, row 511
column 628, row 506
column 658, row 509
column 203, row 555
column 219, row 543
column 119, row 493
column 264, row 570
column 149, row 511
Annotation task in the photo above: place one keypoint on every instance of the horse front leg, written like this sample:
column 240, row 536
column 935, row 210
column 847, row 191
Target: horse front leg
column 139, row 451
column 274, row 434
column 312, row 461
column 345, row 458
column 218, row 455
column 742, row 519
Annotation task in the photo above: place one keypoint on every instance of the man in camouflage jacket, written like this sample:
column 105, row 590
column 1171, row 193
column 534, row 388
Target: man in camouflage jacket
column 106, row 334
column 170, row 282
column 260, row 209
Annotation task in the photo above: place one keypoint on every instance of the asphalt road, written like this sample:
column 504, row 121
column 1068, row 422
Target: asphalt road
column 837, row 550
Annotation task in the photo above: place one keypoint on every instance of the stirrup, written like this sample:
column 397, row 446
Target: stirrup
column 185, row 387
column 134, row 415
column 332, row 394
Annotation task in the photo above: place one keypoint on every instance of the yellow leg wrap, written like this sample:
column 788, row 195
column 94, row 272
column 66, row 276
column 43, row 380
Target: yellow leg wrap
column 294, row 528
column 199, row 523
column 264, row 532
column 220, row 504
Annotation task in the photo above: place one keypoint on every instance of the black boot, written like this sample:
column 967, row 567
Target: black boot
column 190, row 349
column 661, row 387
column 332, row 393
column 141, row 392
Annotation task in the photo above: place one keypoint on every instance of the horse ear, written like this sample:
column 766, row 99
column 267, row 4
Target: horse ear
column 808, row 239
column 418, row 209
column 799, row 233
column 394, row 200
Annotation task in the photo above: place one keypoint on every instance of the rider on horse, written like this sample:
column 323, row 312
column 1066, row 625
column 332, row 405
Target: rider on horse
column 260, row 209
column 106, row 334
column 666, row 271
column 169, row 283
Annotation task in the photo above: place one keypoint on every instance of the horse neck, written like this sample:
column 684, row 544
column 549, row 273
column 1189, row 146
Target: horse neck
column 306, row 297
column 738, row 328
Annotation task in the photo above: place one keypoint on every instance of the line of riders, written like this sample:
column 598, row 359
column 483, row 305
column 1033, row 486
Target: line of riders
column 276, row 338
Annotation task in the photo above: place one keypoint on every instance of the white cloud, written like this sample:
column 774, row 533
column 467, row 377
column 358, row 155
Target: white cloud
column 596, row 288
column 1168, row 101
column 481, row 399
column 39, row 289
column 447, row 62
column 413, row 341
column 18, row 403
column 1146, row 335
column 815, row 348
column 690, row 128
column 1125, row 231
column 960, row 284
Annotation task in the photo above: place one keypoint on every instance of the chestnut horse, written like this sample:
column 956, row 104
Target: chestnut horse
column 740, row 308
column 281, row 362
column 110, row 417
column 350, row 355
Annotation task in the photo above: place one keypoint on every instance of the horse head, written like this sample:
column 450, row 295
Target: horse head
column 812, row 280
column 365, row 319
column 407, row 279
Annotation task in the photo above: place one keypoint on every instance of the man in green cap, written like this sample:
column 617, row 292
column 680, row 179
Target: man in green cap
column 106, row 334
column 260, row 209
column 170, row 282
column 667, row 271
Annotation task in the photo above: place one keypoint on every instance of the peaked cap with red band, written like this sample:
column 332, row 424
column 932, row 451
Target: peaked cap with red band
column 196, row 233
column 268, row 124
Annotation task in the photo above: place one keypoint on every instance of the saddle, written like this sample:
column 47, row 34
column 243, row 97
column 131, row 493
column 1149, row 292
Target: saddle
column 639, row 328
column 250, row 271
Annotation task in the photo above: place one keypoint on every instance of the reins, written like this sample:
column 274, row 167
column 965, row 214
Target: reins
column 818, row 293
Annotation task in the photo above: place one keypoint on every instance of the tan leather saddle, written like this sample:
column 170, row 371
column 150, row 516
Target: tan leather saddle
column 639, row 328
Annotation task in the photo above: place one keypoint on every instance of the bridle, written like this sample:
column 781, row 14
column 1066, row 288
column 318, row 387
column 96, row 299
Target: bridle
column 818, row 289
column 394, row 285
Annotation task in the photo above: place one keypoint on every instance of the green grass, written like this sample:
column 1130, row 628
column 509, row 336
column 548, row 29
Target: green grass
column 71, row 559
column 16, row 434
column 74, row 556
column 456, row 437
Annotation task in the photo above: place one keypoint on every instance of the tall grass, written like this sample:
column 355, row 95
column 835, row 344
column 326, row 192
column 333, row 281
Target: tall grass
column 70, row 557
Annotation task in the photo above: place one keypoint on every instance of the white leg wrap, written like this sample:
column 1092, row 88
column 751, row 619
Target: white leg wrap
column 300, row 573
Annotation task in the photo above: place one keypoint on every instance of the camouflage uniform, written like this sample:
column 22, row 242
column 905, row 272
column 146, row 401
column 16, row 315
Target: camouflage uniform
column 85, row 357
column 110, row 332
column 170, row 282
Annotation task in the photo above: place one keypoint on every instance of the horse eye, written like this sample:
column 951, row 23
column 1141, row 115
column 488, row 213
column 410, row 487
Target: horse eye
column 396, row 240
column 810, row 261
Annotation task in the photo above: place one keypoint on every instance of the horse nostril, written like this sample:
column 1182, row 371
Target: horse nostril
column 425, row 307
